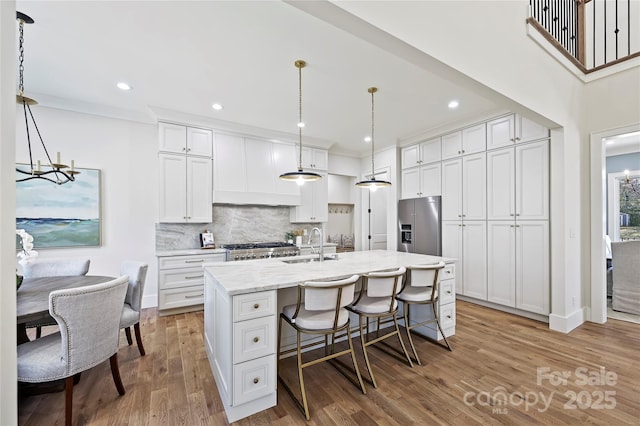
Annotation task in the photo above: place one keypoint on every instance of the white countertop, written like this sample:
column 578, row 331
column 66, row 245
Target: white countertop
column 187, row 252
column 270, row 274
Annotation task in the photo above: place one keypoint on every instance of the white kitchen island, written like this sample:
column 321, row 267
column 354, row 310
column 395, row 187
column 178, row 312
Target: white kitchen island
column 242, row 303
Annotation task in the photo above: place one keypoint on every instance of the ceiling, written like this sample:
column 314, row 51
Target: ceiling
column 184, row 56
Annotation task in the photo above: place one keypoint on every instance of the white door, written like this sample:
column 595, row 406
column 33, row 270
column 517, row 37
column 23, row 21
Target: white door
column 172, row 138
column 474, row 187
column 532, row 266
column 501, row 186
column 410, row 183
column 501, row 132
column 532, row 181
column 430, row 180
column 452, row 145
column 410, row 156
column 474, row 139
column 452, row 189
column 199, row 142
column 452, row 247
column 528, row 130
column 378, row 216
column 173, row 183
column 199, row 190
column 320, row 198
column 501, row 262
column 474, row 259
column 430, row 151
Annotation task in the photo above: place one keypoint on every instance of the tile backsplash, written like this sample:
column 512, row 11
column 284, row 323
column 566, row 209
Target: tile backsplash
column 231, row 223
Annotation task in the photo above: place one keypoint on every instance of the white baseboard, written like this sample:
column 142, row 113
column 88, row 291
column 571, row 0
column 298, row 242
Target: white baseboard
column 150, row 301
column 565, row 324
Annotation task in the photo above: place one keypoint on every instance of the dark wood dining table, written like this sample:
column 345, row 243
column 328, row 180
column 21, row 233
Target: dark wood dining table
column 32, row 298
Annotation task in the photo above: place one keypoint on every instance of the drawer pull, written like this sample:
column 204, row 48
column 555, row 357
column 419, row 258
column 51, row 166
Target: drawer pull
column 193, row 296
column 256, row 380
column 256, row 339
column 256, row 306
column 448, row 271
column 193, row 277
column 449, row 316
column 194, row 261
column 448, row 291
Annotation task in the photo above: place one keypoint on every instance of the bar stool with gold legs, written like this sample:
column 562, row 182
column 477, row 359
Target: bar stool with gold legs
column 421, row 288
column 322, row 313
column 377, row 299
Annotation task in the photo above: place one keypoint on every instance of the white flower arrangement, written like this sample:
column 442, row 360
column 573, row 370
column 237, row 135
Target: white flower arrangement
column 27, row 246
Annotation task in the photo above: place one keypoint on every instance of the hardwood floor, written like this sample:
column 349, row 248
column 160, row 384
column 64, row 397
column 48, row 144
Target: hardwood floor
column 494, row 354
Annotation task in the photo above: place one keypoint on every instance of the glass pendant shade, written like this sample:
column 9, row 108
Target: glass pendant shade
column 300, row 176
column 372, row 183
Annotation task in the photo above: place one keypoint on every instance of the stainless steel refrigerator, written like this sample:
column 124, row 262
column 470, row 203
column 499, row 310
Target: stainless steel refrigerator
column 419, row 227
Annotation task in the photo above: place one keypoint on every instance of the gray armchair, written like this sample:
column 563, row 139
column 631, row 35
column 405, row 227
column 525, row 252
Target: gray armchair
column 137, row 272
column 37, row 268
column 626, row 276
column 89, row 329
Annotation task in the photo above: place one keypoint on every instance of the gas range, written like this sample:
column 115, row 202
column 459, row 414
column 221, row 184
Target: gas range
column 248, row 251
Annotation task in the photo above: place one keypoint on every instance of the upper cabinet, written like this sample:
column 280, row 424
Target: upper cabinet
column 314, row 205
column 314, row 158
column 422, row 153
column 466, row 141
column 247, row 171
column 185, row 173
column 511, row 129
column 180, row 139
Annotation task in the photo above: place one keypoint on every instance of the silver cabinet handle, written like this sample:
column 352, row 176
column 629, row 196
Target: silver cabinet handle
column 193, row 296
column 193, row 277
column 194, row 261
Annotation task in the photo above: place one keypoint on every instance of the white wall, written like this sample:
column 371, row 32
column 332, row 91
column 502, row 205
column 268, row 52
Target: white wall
column 125, row 152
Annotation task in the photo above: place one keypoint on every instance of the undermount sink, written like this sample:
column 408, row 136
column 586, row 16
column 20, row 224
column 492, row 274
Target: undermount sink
column 309, row 260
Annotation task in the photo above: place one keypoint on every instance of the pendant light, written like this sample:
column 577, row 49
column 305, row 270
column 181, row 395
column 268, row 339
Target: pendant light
column 372, row 183
column 300, row 176
column 56, row 173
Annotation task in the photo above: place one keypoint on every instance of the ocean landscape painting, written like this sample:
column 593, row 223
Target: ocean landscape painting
column 65, row 215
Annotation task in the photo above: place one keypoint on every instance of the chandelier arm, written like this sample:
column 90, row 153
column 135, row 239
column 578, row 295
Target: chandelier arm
column 42, row 175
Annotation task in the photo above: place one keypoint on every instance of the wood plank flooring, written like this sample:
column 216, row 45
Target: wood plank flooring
column 495, row 356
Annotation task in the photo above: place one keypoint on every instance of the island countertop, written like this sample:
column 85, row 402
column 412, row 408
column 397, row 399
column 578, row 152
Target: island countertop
column 271, row 274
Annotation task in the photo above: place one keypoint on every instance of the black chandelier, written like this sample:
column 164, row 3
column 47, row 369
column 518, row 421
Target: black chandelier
column 56, row 172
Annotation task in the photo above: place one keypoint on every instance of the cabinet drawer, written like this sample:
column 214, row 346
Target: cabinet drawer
column 447, row 292
column 191, row 261
column 254, row 305
column 254, row 379
column 448, row 273
column 254, row 338
column 178, row 278
column 178, row 297
column 447, row 315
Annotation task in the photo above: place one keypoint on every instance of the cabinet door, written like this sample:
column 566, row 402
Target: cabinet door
column 527, row 130
column 410, row 156
column 259, row 166
column 411, row 183
column 501, row 132
column 199, row 142
column 532, row 266
column 452, row 247
column 452, row 190
column 474, row 259
column 321, row 199
column 172, row 138
column 229, row 161
column 284, row 160
column 452, row 145
column 320, row 159
column 173, row 181
column 532, row 181
column 430, row 182
column 430, row 151
column 501, row 187
column 199, row 190
column 474, row 187
column 501, row 263
column 474, row 139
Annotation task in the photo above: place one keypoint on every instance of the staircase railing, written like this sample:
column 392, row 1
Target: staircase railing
column 591, row 33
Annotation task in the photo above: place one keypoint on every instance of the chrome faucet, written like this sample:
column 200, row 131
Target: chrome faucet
column 321, row 248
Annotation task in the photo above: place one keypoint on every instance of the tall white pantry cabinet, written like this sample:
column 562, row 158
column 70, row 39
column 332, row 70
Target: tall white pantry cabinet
column 494, row 182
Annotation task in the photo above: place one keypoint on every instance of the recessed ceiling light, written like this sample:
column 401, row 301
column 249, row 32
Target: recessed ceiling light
column 123, row 86
column 217, row 107
column 367, row 139
column 453, row 104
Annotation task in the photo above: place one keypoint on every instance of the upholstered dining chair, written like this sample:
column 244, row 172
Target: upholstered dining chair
column 137, row 273
column 89, row 328
column 37, row 268
column 377, row 300
column 422, row 289
column 320, row 310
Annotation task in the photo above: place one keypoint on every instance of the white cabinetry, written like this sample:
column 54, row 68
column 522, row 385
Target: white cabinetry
column 421, row 181
column 464, row 188
column 467, row 242
column 185, row 174
column 181, row 282
column 513, row 128
column 240, row 334
column 422, row 153
column 314, row 203
column 247, row 171
column 466, row 141
column 315, row 158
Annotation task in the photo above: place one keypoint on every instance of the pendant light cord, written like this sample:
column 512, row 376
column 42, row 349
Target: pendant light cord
column 300, row 65
column 372, row 90
column 21, row 59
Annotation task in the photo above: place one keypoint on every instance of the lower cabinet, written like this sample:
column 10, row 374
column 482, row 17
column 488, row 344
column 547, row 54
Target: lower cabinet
column 240, row 338
column 181, row 282
column 467, row 242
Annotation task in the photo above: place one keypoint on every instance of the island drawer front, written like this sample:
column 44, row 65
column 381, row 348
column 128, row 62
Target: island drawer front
column 254, row 339
column 172, row 262
column 448, row 273
column 179, row 297
column 254, row 305
column 177, row 278
column 447, row 315
column 447, row 292
column 254, row 379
